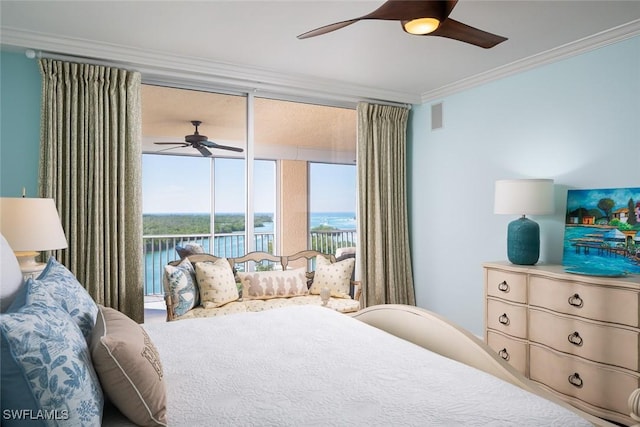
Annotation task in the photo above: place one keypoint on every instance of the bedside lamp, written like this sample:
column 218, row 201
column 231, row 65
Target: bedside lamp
column 31, row 225
column 523, row 197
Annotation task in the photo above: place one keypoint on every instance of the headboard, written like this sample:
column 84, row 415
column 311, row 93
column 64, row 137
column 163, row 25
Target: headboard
column 11, row 279
column 257, row 256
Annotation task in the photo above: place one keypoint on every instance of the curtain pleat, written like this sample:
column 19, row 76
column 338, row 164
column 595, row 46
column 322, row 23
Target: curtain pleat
column 383, row 238
column 90, row 164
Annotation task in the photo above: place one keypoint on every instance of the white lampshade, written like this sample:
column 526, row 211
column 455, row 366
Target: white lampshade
column 524, row 197
column 31, row 224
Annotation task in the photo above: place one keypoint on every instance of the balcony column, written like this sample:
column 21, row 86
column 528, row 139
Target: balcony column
column 293, row 224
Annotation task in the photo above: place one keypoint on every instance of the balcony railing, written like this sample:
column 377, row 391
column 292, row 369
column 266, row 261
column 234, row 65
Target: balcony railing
column 328, row 242
column 159, row 250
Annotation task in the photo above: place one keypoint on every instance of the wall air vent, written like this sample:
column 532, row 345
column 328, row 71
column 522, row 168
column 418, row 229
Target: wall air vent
column 436, row 116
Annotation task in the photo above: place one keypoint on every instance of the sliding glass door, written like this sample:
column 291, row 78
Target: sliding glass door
column 226, row 202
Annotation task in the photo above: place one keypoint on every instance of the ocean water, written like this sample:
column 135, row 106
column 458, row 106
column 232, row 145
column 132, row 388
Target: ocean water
column 339, row 220
column 595, row 259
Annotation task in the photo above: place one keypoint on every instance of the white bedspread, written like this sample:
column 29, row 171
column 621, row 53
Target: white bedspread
column 311, row 366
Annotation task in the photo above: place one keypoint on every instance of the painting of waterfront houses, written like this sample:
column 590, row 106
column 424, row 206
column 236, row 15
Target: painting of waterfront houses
column 602, row 231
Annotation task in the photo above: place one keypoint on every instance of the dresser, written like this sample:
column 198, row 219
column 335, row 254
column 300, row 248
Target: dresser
column 578, row 336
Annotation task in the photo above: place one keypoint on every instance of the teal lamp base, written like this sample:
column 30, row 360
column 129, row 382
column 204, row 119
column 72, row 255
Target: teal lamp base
column 523, row 241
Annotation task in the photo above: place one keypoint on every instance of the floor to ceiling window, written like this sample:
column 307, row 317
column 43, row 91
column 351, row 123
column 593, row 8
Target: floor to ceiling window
column 228, row 202
column 332, row 206
column 300, row 135
column 230, row 207
column 185, row 179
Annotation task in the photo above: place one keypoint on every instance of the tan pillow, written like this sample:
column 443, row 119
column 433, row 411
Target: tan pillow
column 274, row 284
column 216, row 283
column 129, row 368
column 336, row 276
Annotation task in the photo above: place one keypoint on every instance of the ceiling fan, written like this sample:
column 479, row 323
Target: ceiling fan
column 199, row 142
column 420, row 17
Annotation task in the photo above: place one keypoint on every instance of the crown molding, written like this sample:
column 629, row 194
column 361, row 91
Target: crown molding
column 200, row 73
column 568, row 50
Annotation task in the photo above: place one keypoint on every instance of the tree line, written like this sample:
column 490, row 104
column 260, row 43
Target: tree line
column 179, row 224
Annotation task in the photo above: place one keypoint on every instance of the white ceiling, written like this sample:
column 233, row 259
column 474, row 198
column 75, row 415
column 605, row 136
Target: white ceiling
column 253, row 44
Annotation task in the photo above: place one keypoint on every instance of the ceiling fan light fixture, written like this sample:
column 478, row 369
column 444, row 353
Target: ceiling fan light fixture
column 421, row 26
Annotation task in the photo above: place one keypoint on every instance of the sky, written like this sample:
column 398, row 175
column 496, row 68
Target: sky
column 180, row 184
column 332, row 187
column 589, row 198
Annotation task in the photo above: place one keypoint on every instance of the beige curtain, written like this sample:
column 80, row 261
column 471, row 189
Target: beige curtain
column 383, row 239
column 90, row 164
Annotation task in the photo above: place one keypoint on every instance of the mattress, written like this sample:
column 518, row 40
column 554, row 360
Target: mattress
column 312, row 366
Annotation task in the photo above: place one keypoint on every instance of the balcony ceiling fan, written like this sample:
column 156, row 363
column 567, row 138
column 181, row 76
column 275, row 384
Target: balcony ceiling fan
column 423, row 18
column 199, row 142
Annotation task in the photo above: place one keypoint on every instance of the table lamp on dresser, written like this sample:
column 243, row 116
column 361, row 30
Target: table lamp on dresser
column 524, row 197
column 31, row 225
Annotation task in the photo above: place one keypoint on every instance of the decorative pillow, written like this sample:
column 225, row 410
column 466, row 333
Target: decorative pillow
column 70, row 295
column 336, row 277
column 180, row 282
column 129, row 368
column 342, row 252
column 189, row 249
column 46, row 367
column 342, row 257
column 348, row 255
column 216, row 283
column 273, row 284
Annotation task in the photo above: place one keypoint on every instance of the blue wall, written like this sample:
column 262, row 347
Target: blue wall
column 576, row 121
column 20, row 94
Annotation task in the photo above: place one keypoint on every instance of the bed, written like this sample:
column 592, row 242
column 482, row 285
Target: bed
column 310, row 365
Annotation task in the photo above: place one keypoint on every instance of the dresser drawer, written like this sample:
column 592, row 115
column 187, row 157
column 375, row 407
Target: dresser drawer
column 593, row 341
column 510, row 349
column 590, row 301
column 507, row 317
column 507, row 285
column 596, row 384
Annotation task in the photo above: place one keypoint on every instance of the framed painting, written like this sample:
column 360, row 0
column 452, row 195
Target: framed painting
column 602, row 232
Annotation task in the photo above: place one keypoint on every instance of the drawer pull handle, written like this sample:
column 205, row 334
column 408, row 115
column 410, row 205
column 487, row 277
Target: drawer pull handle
column 575, row 339
column 576, row 301
column 504, row 319
column 575, row 380
column 504, row 286
column 504, row 354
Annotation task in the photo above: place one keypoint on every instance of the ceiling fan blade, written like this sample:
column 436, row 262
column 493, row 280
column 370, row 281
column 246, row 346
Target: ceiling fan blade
column 394, row 10
column 410, row 10
column 199, row 142
column 448, row 7
column 403, row 10
column 327, row 29
column 212, row 144
column 202, row 150
column 167, row 149
column 172, row 143
column 458, row 31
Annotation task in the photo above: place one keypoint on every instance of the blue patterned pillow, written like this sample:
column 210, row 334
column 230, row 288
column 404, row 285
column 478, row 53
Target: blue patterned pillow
column 180, row 283
column 46, row 373
column 70, row 295
column 189, row 249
